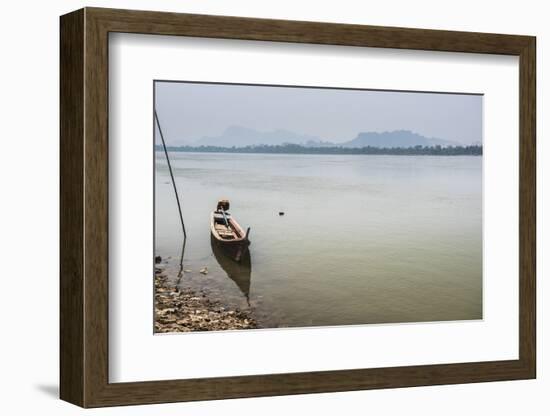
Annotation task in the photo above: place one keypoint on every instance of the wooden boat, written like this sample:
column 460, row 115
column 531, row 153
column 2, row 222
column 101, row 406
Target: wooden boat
column 227, row 233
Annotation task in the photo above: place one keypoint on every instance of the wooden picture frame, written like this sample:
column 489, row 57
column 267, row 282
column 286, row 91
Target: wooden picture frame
column 84, row 207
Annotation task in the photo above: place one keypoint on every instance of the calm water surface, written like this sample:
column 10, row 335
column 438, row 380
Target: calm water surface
column 364, row 239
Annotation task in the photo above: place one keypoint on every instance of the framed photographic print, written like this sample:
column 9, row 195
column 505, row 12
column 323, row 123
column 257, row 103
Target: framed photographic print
column 255, row 207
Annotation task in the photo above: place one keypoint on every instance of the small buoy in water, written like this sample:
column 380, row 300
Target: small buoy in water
column 158, row 259
column 281, row 213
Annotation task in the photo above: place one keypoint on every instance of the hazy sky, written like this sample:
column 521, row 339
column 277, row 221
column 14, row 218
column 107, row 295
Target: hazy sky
column 190, row 111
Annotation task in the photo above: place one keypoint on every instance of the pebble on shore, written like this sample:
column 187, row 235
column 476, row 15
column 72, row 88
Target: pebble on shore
column 184, row 310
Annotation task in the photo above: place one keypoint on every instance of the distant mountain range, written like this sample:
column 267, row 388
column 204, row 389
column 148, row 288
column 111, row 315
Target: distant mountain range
column 242, row 136
column 398, row 138
column 238, row 136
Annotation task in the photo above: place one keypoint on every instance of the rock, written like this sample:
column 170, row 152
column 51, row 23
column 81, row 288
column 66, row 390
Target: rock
column 194, row 310
column 204, row 270
column 158, row 259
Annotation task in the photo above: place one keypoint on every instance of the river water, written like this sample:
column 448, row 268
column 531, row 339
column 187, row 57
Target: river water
column 364, row 239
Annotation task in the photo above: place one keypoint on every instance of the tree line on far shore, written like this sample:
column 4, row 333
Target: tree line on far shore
column 473, row 150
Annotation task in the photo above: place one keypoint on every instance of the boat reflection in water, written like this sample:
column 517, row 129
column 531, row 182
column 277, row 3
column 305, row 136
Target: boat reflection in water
column 239, row 272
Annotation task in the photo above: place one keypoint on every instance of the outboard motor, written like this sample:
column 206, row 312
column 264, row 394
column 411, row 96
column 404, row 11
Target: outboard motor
column 223, row 204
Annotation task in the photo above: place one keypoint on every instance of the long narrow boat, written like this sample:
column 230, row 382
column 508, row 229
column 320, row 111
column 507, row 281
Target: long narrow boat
column 227, row 233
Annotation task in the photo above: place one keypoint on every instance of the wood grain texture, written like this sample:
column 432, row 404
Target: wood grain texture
column 71, row 100
column 96, row 222
column 527, row 207
column 225, row 27
column 84, row 207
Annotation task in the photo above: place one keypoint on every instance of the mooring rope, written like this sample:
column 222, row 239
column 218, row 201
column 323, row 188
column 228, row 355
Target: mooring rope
column 172, row 176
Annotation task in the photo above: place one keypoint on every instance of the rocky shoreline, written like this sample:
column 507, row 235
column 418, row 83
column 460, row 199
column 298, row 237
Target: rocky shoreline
column 180, row 309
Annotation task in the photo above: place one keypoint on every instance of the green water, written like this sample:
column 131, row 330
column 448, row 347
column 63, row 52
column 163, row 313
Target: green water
column 364, row 239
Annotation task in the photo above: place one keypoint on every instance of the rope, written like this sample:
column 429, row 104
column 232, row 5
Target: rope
column 172, row 176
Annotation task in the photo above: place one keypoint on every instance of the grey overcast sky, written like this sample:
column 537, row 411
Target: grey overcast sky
column 190, row 111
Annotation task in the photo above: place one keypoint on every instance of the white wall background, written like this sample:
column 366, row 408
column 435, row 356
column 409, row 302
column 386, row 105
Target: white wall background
column 29, row 210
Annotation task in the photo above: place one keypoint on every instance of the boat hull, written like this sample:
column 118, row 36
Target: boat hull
column 235, row 248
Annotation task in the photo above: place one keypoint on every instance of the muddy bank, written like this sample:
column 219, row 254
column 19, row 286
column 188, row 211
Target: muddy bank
column 185, row 310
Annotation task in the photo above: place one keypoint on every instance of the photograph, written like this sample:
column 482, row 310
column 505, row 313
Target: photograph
column 291, row 206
